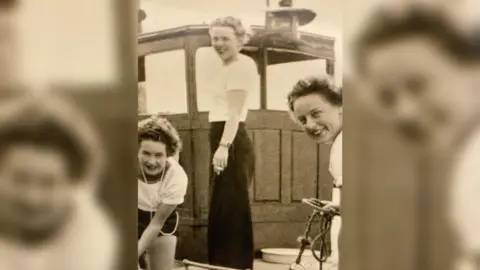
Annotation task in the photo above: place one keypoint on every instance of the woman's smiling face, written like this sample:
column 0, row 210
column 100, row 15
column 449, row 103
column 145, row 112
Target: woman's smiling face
column 225, row 42
column 321, row 120
column 152, row 156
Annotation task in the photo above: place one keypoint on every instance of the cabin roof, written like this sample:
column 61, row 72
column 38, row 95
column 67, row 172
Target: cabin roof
column 308, row 46
column 203, row 29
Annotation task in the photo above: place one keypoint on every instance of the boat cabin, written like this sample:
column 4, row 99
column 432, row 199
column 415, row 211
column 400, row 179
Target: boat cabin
column 174, row 67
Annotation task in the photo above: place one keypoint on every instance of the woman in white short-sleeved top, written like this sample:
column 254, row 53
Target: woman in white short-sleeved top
column 230, row 232
column 316, row 104
column 162, row 185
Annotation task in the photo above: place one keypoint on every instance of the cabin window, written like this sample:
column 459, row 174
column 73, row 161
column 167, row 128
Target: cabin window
column 282, row 77
column 207, row 63
column 165, row 86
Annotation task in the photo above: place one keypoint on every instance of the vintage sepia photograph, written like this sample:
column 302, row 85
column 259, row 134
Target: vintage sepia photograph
column 240, row 129
column 209, row 135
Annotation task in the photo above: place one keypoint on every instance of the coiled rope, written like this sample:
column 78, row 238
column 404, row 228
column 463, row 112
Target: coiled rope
column 325, row 222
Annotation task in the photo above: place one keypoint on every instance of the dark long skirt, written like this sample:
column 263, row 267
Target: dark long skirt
column 230, row 230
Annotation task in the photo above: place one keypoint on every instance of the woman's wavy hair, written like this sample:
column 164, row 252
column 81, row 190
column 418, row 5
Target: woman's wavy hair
column 242, row 32
column 320, row 85
column 389, row 25
column 159, row 129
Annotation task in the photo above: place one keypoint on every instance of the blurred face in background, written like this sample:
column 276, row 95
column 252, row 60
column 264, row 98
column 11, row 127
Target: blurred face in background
column 35, row 189
column 420, row 88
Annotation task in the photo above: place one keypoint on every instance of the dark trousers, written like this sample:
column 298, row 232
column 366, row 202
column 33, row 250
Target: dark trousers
column 230, row 230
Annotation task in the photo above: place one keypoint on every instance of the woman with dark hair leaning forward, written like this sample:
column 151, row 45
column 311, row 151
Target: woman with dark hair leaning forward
column 162, row 185
column 316, row 105
column 230, row 232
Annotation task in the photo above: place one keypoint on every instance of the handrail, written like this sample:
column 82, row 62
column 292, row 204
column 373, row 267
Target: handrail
column 188, row 263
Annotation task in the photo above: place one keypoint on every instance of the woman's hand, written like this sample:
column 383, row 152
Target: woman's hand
column 337, row 184
column 220, row 159
column 331, row 207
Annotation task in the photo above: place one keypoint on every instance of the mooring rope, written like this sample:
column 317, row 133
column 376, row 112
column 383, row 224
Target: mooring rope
column 325, row 223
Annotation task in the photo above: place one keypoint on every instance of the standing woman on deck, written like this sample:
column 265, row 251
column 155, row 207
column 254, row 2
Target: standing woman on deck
column 230, row 232
column 162, row 185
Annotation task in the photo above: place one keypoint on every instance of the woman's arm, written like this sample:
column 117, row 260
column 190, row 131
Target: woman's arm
column 236, row 100
column 172, row 195
column 153, row 229
column 241, row 78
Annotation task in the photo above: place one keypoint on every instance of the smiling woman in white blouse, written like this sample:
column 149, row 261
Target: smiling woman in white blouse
column 316, row 105
column 162, row 185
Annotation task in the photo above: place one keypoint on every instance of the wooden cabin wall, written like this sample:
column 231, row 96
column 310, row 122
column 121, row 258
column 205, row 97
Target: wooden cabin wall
column 288, row 167
column 393, row 198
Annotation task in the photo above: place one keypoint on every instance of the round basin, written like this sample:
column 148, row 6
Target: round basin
column 286, row 255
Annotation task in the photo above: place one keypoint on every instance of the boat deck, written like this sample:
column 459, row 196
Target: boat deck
column 262, row 265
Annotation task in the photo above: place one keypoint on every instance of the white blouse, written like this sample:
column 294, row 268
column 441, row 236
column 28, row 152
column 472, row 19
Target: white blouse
column 171, row 190
column 335, row 166
column 239, row 75
column 335, row 169
column 464, row 201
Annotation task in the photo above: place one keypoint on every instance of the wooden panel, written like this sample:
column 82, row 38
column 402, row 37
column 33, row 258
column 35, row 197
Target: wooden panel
column 186, row 163
column 286, row 166
column 304, row 167
column 201, row 185
column 277, row 212
column 267, row 176
column 257, row 119
column 180, row 121
column 325, row 179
